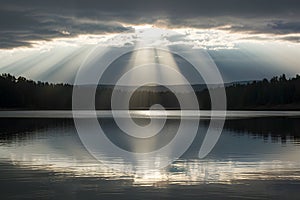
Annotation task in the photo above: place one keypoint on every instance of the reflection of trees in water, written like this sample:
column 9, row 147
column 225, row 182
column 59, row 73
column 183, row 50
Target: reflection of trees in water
column 278, row 129
column 17, row 128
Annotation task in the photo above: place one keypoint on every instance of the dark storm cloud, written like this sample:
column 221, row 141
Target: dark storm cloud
column 286, row 27
column 21, row 27
column 24, row 21
column 292, row 38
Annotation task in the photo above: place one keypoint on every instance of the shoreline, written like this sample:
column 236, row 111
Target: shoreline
column 158, row 114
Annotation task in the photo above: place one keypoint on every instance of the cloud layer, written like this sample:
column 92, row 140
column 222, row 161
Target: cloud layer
column 23, row 22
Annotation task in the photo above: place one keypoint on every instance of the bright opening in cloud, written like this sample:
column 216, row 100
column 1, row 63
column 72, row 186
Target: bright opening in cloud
column 239, row 56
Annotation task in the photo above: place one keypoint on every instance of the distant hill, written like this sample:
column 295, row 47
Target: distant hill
column 176, row 88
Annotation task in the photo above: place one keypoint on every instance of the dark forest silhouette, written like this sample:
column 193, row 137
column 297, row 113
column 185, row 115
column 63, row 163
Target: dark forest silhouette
column 21, row 93
column 276, row 93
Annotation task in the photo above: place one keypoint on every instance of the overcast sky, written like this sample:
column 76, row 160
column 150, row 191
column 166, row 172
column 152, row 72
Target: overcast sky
column 23, row 21
column 248, row 39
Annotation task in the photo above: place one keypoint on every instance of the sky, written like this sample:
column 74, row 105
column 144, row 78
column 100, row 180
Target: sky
column 247, row 39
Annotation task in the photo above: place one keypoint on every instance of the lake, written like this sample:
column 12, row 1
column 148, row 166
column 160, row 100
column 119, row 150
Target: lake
column 256, row 157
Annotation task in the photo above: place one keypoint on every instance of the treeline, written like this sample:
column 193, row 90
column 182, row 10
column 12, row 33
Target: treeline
column 276, row 93
column 20, row 93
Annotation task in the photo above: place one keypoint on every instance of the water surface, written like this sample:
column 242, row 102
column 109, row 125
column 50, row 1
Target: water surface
column 255, row 158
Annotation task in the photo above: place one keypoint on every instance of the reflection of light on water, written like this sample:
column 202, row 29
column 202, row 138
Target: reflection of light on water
column 58, row 150
column 150, row 178
column 182, row 172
